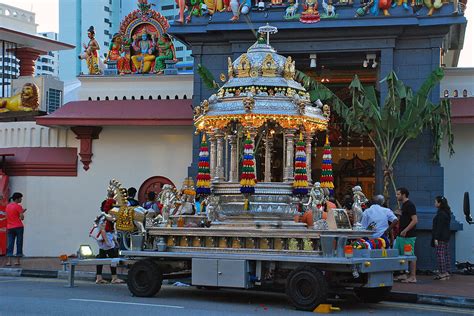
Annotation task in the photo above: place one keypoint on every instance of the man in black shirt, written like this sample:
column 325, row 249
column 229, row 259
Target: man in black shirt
column 407, row 235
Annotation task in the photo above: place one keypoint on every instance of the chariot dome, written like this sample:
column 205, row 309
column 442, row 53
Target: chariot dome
column 259, row 106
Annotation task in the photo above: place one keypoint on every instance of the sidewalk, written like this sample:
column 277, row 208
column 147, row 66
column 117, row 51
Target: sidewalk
column 455, row 292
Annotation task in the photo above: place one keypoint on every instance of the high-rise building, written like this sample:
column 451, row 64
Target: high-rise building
column 48, row 64
column 76, row 16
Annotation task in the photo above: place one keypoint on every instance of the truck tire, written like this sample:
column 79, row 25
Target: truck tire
column 144, row 278
column 372, row 295
column 306, row 288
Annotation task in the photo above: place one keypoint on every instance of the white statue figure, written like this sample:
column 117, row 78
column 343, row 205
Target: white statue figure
column 187, row 198
column 329, row 9
column 290, row 12
column 316, row 201
column 357, row 207
column 167, row 198
column 213, row 208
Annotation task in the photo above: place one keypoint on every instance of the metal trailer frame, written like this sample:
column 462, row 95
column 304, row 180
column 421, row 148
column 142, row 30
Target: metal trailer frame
column 221, row 269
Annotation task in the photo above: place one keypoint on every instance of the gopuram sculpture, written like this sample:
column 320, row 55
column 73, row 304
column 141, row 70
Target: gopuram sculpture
column 142, row 44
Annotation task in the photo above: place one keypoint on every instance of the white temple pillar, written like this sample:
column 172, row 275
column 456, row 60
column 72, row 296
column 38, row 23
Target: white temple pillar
column 288, row 172
column 212, row 154
column 234, row 161
column 268, row 158
column 219, row 176
column 309, row 139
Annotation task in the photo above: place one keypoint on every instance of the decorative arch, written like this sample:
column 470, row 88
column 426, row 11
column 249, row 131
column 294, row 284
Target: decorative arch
column 152, row 184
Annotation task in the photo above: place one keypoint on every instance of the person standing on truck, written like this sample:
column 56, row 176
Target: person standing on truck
column 407, row 236
column 15, row 228
column 379, row 217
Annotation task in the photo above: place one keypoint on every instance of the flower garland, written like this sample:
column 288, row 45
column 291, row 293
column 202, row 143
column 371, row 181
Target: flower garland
column 300, row 183
column 247, row 177
column 327, row 178
column 204, row 175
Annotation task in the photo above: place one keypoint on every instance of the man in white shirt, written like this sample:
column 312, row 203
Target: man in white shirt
column 378, row 217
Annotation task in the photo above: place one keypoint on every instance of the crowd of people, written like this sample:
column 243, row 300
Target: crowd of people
column 398, row 228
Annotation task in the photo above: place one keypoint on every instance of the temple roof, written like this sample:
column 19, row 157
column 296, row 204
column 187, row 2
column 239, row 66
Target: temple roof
column 119, row 113
column 33, row 41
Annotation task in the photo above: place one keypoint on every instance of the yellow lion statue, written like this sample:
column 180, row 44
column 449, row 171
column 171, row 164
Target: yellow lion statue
column 26, row 100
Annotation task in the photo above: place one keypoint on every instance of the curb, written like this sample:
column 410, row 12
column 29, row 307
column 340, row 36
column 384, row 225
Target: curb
column 404, row 297
column 432, row 299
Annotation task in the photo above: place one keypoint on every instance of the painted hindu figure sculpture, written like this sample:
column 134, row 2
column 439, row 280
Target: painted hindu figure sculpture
column 144, row 49
column 142, row 44
column 91, row 53
column 119, row 52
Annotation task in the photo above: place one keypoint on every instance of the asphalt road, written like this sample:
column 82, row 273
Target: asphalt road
column 34, row 296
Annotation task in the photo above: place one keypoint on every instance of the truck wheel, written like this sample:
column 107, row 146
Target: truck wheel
column 306, row 288
column 372, row 295
column 144, row 278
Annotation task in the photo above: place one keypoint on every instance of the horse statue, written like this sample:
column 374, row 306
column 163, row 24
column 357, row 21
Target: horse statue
column 128, row 219
column 360, row 202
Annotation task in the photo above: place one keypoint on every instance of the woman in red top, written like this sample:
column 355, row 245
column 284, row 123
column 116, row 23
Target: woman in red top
column 15, row 215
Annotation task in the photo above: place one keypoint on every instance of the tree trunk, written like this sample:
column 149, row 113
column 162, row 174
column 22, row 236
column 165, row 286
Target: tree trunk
column 387, row 179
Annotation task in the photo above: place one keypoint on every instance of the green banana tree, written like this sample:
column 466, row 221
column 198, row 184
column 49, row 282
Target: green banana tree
column 404, row 115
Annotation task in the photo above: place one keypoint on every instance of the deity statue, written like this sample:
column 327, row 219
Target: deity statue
column 165, row 49
column 358, row 206
column 115, row 48
column 187, row 198
column 316, row 201
column 91, row 53
column 167, row 197
column 433, row 5
column 213, row 208
column 119, row 55
column 310, row 13
column 239, row 8
column 144, row 52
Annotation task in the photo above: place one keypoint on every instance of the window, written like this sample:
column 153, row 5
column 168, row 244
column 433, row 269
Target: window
column 180, row 59
column 179, row 48
column 106, row 9
column 167, row 7
column 106, row 32
column 106, row 44
column 170, row 17
column 106, row 20
column 53, row 97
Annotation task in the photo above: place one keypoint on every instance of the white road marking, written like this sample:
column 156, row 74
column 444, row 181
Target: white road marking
column 434, row 308
column 124, row 303
column 13, row 280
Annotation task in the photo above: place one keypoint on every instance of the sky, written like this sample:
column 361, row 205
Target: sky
column 47, row 18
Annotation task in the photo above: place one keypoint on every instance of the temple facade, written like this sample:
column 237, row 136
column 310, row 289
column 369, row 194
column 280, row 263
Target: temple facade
column 331, row 47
